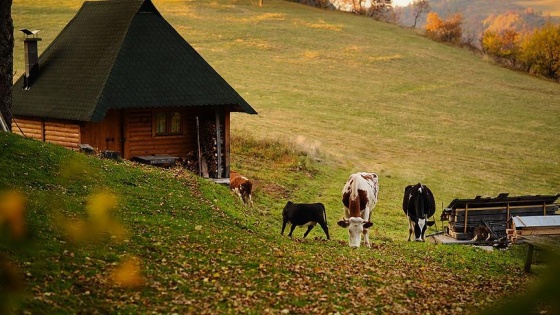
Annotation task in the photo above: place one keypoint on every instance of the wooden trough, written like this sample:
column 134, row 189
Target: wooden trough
column 156, row 159
column 466, row 215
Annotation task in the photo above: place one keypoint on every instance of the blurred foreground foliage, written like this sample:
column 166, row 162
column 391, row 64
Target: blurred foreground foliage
column 49, row 195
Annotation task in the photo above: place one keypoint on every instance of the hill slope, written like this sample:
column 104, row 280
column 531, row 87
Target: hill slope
column 376, row 96
column 185, row 245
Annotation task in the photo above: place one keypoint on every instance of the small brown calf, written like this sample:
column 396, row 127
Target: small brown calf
column 242, row 186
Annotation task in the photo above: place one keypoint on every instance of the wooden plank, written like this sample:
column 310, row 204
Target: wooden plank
column 491, row 217
column 511, row 208
column 26, row 125
column 27, row 130
column 138, row 134
column 50, row 138
column 61, row 125
column 539, row 231
column 227, row 143
column 466, row 217
column 62, row 131
column 529, row 258
column 495, row 225
column 156, row 159
column 50, row 135
column 31, row 133
column 125, row 133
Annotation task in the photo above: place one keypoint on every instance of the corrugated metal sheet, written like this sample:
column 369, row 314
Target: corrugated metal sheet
column 536, row 221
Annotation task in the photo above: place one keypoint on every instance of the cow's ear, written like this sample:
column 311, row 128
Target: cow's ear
column 430, row 223
column 342, row 223
column 368, row 224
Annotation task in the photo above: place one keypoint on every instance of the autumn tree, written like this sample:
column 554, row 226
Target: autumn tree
column 502, row 45
column 448, row 31
column 540, row 52
column 6, row 59
column 418, row 8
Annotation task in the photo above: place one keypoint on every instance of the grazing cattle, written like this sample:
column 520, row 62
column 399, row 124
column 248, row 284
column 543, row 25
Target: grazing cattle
column 418, row 205
column 242, row 186
column 359, row 197
column 301, row 214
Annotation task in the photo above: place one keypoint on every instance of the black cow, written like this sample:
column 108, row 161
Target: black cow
column 300, row 214
column 418, row 205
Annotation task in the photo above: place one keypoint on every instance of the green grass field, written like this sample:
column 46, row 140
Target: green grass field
column 336, row 93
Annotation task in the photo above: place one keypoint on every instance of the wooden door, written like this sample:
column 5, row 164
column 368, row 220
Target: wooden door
column 113, row 132
column 106, row 135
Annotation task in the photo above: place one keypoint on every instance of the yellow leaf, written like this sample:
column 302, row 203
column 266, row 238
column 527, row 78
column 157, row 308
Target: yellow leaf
column 128, row 274
column 99, row 206
column 12, row 208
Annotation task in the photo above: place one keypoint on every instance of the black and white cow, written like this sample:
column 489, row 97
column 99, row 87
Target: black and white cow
column 301, row 214
column 359, row 197
column 418, row 205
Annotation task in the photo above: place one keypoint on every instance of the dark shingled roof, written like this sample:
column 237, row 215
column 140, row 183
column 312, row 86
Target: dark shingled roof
column 120, row 54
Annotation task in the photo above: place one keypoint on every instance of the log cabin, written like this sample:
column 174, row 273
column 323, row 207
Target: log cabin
column 120, row 78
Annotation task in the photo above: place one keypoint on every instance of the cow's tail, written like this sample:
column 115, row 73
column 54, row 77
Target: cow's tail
column 324, row 214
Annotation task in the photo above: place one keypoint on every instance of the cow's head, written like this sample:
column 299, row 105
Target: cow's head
column 356, row 227
column 420, row 226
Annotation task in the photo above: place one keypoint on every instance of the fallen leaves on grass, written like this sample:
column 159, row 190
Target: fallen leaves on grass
column 128, row 274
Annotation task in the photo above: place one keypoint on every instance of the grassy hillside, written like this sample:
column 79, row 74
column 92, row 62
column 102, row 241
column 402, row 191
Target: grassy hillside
column 375, row 96
column 335, row 94
column 103, row 236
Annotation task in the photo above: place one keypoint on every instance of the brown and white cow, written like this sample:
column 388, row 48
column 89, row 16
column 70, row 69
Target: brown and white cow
column 242, row 186
column 359, row 197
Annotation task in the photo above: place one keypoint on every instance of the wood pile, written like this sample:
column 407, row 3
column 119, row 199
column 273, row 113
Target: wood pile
column 208, row 153
column 465, row 215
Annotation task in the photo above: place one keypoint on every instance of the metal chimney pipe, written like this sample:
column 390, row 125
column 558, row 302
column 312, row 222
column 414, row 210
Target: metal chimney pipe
column 31, row 60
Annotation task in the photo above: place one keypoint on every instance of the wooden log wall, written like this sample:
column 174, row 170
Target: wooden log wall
column 64, row 133
column 135, row 128
column 31, row 128
column 140, row 139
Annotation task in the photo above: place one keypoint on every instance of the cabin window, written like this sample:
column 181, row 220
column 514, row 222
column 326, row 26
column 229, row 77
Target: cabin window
column 167, row 123
column 175, row 126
